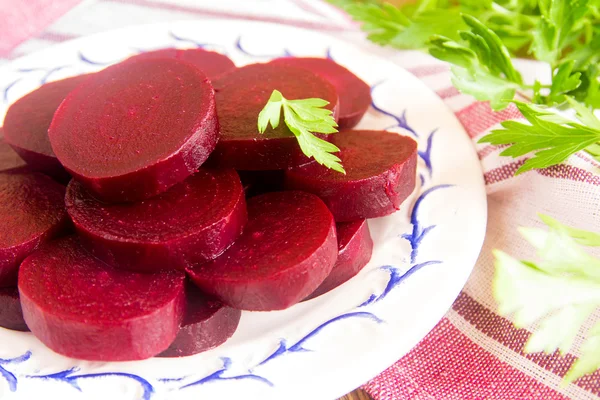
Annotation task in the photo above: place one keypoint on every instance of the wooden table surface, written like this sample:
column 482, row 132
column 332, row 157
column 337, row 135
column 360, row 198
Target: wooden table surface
column 357, row 395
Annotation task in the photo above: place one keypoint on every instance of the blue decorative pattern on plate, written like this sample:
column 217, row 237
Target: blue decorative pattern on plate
column 321, row 348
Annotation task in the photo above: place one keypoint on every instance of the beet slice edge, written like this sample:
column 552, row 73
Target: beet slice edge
column 286, row 251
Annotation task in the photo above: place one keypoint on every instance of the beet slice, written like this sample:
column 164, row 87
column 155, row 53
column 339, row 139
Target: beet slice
column 32, row 211
column 241, row 95
column 11, row 315
column 193, row 222
column 286, row 251
column 10, row 161
column 135, row 129
column 211, row 63
column 207, row 323
column 380, row 175
column 27, row 121
column 354, row 94
column 80, row 307
column 355, row 247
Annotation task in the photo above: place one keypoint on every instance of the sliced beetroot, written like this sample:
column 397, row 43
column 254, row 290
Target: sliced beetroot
column 27, row 121
column 11, row 315
column 10, row 161
column 260, row 182
column 355, row 247
column 135, row 129
column 32, row 211
column 241, row 95
column 286, row 251
column 380, row 175
column 211, row 63
column 354, row 94
column 193, row 222
column 207, row 323
column 80, row 307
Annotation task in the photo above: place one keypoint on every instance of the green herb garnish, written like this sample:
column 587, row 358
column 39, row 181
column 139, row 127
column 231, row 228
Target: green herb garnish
column 480, row 37
column 304, row 117
column 551, row 137
column 561, row 292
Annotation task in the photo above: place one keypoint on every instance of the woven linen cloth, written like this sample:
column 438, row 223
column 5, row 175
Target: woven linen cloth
column 473, row 353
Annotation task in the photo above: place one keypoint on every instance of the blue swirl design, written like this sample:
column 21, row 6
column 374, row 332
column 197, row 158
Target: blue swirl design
column 419, row 231
column 241, row 49
column 90, row 61
column 70, row 377
column 298, row 346
column 218, row 376
column 47, row 72
column 10, row 377
column 426, row 154
column 200, row 45
column 328, row 54
column 8, row 87
column 400, row 118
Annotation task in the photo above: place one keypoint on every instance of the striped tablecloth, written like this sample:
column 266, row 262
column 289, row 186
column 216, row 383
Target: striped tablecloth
column 473, row 353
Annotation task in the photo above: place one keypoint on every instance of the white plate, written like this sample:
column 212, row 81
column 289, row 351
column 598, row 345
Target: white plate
column 320, row 349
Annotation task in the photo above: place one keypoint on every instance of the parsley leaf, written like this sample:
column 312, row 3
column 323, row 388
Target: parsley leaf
column 303, row 118
column 409, row 27
column 551, row 137
column 563, row 82
column 482, row 66
column 560, row 18
column 561, row 291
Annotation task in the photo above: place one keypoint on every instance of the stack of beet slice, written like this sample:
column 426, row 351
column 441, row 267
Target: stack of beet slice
column 170, row 177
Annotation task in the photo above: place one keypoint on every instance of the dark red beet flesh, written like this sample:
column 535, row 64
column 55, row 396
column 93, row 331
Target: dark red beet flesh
column 260, row 182
column 80, row 307
column 355, row 248
column 135, row 129
column 286, row 251
column 27, row 121
column 11, row 315
column 207, row 323
column 10, row 161
column 380, row 175
column 354, row 94
column 211, row 63
column 32, row 211
column 241, row 95
column 193, row 222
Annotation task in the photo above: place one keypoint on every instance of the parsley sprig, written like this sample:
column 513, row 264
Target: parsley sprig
column 304, row 118
column 560, row 292
column 480, row 39
column 551, row 137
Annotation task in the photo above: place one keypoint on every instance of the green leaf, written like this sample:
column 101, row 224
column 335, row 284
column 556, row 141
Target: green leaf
column 559, row 19
column 482, row 66
column 560, row 253
column 304, row 117
column 559, row 298
column 551, row 138
column 387, row 25
column 484, row 86
column 589, row 361
column 271, row 113
column 584, row 114
column 582, row 237
column 500, row 57
column 529, row 294
column 564, row 81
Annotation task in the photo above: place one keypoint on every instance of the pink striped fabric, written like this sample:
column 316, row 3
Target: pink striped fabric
column 473, row 353
column 28, row 18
